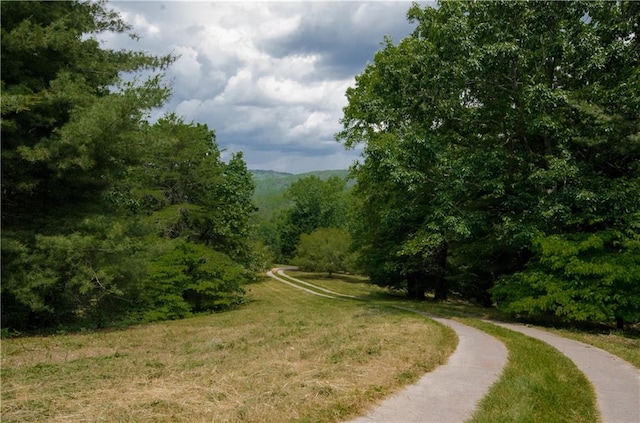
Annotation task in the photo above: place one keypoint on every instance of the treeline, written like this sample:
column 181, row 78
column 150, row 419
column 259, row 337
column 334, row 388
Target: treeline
column 501, row 162
column 105, row 216
column 313, row 231
column 502, row 158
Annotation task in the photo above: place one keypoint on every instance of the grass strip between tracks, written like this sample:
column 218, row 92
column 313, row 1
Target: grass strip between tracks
column 539, row 384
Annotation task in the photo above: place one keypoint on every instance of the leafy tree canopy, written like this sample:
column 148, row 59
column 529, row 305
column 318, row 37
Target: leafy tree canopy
column 494, row 131
column 316, row 204
column 325, row 250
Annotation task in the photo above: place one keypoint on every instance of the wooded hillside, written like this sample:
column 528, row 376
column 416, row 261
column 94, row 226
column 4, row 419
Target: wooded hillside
column 271, row 186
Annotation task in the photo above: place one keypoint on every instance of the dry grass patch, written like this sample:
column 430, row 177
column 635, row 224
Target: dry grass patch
column 287, row 356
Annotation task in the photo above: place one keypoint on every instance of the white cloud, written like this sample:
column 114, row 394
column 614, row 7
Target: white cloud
column 141, row 22
column 188, row 107
column 294, row 92
column 315, row 122
column 138, row 20
column 277, row 26
column 294, row 65
column 188, row 62
column 270, row 78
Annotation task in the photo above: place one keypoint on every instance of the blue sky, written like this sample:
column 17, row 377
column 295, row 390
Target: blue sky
column 268, row 77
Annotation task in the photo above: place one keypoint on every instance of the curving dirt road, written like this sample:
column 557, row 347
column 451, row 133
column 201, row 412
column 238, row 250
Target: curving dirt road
column 280, row 272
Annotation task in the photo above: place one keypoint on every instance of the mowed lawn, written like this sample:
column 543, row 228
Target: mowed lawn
column 286, row 356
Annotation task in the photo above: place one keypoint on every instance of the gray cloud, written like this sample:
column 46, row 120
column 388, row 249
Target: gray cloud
column 347, row 35
column 270, row 78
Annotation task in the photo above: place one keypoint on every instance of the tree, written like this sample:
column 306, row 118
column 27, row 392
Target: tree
column 199, row 209
column 190, row 278
column 105, row 216
column 583, row 277
column 316, row 204
column 493, row 128
column 70, row 129
column 68, row 121
column 407, row 215
column 235, row 230
column 324, row 250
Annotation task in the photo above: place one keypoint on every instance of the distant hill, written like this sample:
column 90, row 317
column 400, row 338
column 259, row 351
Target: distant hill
column 268, row 174
column 271, row 186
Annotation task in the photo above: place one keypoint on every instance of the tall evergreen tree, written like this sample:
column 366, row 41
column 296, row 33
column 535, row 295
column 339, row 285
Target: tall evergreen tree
column 70, row 130
column 104, row 216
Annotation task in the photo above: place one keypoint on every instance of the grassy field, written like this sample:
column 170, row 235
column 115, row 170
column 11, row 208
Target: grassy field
column 286, row 356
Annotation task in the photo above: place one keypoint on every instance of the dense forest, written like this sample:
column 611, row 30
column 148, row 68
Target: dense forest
column 500, row 164
column 502, row 158
column 105, row 216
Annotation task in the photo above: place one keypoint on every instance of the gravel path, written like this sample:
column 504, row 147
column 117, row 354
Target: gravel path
column 616, row 382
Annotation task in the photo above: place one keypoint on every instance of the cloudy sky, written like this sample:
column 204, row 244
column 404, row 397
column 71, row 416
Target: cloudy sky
column 268, row 77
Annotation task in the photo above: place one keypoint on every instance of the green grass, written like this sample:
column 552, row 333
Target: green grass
column 286, row 356
column 539, row 384
column 455, row 308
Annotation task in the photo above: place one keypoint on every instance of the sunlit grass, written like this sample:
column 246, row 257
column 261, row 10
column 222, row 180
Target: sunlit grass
column 286, row 356
column 539, row 384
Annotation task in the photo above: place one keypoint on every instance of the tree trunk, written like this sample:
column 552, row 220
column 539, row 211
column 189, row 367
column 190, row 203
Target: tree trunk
column 619, row 323
column 441, row 287
column 441, row 290
column 415, row 289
